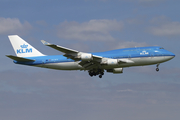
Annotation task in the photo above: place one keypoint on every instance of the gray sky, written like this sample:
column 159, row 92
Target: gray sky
column 140, row 93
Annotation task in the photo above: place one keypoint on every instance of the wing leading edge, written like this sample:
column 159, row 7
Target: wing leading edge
column 70, row 53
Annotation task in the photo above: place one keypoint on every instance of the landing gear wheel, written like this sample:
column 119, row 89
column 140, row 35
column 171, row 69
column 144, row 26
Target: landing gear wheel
column 100, row 76
column 91, row 73
column 96, row 72
column 157, row 69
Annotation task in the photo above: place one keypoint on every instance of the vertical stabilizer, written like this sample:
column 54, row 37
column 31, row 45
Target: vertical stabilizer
column 22, row 48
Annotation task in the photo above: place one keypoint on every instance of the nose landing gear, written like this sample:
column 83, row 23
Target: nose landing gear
column 157, row 69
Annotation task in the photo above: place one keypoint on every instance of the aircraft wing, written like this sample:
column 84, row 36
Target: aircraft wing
column 87, row 60
column 69, row 53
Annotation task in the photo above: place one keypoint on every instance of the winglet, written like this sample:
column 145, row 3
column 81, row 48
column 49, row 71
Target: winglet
column 45, row 43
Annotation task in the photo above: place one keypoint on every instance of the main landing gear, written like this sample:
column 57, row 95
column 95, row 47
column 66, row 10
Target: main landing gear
column 96, row 72
column 157, row 69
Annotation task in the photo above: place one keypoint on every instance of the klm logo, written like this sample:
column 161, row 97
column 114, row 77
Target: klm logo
column 24, row 49
column 144, row 53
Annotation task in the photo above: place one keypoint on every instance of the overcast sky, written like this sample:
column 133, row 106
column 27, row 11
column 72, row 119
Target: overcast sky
column 140, row 93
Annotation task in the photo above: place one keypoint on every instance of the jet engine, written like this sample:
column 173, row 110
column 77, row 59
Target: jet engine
column 85, row 56
column 112, row 61
column 115, row 70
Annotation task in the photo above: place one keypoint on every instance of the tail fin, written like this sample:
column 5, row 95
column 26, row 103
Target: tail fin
column 22, row 48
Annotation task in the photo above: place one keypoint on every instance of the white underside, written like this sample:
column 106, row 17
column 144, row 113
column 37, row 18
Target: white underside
column 137, row 62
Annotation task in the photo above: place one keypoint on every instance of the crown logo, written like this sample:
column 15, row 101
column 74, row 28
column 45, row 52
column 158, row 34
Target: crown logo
column 24, row 46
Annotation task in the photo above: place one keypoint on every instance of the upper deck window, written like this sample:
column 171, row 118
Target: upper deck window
column 145, row 49
column 128, row 50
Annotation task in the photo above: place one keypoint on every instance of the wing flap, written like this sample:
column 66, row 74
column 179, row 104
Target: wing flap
column 20, row 59
column 88, row 65
column 125, row 61
column 97, row 58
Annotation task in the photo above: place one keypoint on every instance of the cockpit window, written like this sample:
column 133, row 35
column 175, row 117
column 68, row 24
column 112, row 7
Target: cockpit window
column 161, row 48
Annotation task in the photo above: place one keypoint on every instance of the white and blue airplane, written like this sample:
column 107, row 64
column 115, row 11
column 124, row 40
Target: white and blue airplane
column 95, row 63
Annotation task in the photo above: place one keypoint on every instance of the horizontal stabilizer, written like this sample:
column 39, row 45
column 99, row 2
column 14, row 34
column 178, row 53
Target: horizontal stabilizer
column 20, row 59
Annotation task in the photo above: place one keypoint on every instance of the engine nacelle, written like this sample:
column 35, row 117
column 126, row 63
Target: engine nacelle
column 115, row 70
column 86, row 56
column 112, row 61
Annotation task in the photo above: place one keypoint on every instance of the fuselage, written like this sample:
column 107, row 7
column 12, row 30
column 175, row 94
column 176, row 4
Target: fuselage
column 140, row 56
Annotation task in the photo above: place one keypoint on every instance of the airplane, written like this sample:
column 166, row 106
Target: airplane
column 112, row 61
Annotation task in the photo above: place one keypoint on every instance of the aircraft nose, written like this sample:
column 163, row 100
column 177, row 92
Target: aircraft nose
column 172, row 55
column 169, row 55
